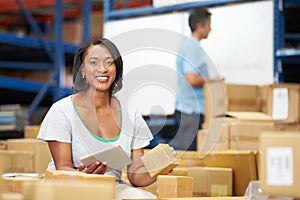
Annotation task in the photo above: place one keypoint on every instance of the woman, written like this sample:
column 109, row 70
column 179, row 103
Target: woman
column 94, row 119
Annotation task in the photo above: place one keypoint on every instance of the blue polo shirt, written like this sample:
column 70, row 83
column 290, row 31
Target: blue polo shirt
column 191, row 58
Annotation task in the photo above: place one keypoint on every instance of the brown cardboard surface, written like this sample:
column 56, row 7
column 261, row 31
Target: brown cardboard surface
column 78, row 176
column 14, row 182
column 16, row 161
column 160, row 160
column 243, row 164
column 245, row 135
column 293, row 100
column 3, row 144
column 31, row 131
column 39, row 149
column 63, row 190
column 174, row 186
column 280, row 150
column 211, row 181
column 207, row 198
column 243, row 97
column 215, row 99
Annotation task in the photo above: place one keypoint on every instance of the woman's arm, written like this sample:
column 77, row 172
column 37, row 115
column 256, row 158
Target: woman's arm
column 62, row 156
column 136, row 172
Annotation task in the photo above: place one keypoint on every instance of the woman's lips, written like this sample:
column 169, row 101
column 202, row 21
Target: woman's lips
column 102, row 78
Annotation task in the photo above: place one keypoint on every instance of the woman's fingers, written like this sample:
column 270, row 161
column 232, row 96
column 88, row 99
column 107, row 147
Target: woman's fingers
column 96, row 167
column 101, row 169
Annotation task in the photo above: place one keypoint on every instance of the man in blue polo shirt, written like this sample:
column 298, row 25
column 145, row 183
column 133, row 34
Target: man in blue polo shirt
column 192, row 66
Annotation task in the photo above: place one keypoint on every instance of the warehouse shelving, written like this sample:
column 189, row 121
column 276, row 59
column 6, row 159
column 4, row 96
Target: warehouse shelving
column 110, row 13
column 24, row 52
column 286, row 40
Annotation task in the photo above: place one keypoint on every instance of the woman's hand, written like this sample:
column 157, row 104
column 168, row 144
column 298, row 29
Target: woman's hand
column 96, row 167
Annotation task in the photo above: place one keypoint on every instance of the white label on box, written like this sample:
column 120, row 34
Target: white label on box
column 280, row 103
column 280, row 170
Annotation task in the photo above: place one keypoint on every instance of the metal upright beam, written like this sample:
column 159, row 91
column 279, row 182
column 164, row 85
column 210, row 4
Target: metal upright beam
column 59, row 59
column 278, row 39
column 86, row 11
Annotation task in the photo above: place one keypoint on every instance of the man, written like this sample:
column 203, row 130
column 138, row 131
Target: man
column 193, row 68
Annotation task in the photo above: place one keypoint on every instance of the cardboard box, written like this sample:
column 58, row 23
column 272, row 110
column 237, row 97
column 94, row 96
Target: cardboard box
column 211, row 181
column 79, row 176
column 3, row 144
column 245, row 135
column 13, row 182
column 174, row 186
column 214, row 139
column 63, row 190
column 160, row 160
column 282, row 102
column 179, row 171
column 241, row 97
column 243, row 164
column 31, row 131
column 13, row 161
column 208, row 198
column 280, row 164
column 11, row 196
column 39, row 149
column 215, row 99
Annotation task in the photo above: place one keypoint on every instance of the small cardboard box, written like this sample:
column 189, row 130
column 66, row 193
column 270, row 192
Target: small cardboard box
column 16, row 161
column 243, row 164
column 174, row 186
column 211, row 181
column 280, row 164
column 160, row 160
column 39, row 149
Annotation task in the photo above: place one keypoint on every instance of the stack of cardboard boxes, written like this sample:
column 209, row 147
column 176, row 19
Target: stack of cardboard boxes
column 259, row 123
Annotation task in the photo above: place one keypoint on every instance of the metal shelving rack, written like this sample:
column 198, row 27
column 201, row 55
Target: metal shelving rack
column 111, row 14
column 47, row 55
column 284, row 55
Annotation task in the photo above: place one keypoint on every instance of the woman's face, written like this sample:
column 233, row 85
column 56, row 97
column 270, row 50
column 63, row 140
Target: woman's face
column 99, row 68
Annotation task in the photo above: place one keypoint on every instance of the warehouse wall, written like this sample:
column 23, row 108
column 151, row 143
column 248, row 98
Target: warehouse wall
column 240, row 44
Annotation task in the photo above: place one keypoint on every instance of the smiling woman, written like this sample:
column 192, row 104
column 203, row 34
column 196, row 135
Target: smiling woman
column 94, row 119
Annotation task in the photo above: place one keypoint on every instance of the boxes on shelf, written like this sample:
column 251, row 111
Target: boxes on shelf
column 174, row 186
column 280, row 163
column 40, row 151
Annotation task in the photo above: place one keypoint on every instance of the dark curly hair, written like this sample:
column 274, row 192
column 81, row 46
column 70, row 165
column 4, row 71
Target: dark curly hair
column 79, row 84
